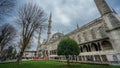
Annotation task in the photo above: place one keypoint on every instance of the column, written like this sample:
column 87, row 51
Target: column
column 90, row 48
column 101, row 45
column 77, row 58
column 85, row 58
column 101, row 59
column 93, row 58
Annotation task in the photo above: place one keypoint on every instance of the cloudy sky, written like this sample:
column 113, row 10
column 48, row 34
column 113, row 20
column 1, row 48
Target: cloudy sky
column 66, row 14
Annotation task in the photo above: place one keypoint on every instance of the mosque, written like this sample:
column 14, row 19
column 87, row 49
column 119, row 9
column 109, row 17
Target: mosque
column 99, row 40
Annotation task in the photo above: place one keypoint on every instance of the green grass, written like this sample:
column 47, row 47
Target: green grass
column 52, row 64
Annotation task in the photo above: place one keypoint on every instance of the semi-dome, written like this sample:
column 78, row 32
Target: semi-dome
column 58, row 35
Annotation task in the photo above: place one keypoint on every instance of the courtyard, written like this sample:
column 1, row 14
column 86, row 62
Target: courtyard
column 52, row 64
column 59, row 34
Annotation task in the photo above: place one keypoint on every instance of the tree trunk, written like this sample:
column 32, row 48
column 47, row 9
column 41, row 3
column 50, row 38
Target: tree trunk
column 19, row 57
column 67, row 58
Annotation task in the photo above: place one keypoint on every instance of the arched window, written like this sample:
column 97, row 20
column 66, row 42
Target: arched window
column 106, row 45
column 115, row 58
column 94, row 47
column 85, row 48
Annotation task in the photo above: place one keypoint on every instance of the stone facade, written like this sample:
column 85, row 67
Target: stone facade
column 29, row 54
column 98, row 40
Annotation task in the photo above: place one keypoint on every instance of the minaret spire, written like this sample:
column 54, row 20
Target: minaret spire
column 49, row 27
column 77, row 26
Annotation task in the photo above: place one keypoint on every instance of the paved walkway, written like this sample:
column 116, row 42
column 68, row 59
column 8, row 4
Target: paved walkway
column 7, row 61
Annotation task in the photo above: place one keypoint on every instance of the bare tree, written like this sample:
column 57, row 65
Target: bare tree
column 5, row 7
column 7, row 34
column 8, row 53
column 31, row 18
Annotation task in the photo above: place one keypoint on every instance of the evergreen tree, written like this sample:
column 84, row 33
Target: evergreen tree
column 68, row 47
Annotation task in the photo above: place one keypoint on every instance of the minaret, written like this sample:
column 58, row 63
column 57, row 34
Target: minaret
column 112, row 21
column 46, row 53
column 102, row 7
column 39, row 44
column 49, row 27
column 111, row 18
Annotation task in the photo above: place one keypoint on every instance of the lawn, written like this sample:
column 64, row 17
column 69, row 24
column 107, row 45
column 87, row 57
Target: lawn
column 52, row 64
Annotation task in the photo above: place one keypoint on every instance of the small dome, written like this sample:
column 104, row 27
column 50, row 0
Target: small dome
column 57, row 36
